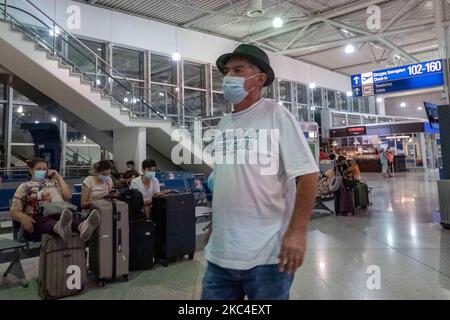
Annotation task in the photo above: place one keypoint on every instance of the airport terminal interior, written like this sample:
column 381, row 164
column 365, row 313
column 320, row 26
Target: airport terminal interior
column 103, row 88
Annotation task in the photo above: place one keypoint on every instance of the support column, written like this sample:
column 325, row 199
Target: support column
column 9, row 113
column 129, row 144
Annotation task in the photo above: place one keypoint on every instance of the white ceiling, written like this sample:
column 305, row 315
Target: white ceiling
column 325, row 20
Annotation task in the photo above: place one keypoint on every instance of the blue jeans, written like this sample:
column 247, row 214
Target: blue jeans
column 260, row 283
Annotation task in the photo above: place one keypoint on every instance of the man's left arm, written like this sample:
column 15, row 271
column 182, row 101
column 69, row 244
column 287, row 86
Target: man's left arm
column 293, row 247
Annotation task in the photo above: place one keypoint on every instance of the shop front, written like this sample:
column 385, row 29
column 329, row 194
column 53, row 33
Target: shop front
column 413, row 145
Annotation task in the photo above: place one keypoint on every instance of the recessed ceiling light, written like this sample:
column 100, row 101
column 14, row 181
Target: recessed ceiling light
column 379, row 100
column 176, row 56
column 349, row 48
column 312, row 85
column 277, row 22
column 349, row 93
column 403, row 105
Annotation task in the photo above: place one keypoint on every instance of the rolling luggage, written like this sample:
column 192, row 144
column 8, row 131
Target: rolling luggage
column 361, row 195
column 142, row 245
column 174, row 216
column 344, row 202
column 108, row 247
column 135, row 202
column 62, row 267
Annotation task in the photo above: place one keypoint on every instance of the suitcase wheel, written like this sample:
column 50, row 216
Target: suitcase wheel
column 101, row 283
column 165, row 262
column 191, row 256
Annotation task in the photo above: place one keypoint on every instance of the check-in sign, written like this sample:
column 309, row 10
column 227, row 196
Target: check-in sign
column 367, row 78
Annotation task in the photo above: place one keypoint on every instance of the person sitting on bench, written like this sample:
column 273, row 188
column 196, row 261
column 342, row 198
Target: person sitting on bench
column 99, row 185
column 147, row 184
column 48, row 186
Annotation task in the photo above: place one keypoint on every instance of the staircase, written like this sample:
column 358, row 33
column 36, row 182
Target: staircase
column 35, row 49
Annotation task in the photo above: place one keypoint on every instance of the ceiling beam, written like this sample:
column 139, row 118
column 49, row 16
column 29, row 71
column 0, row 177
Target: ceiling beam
column 338, row 43
column 361, row 5
column 218, row 11
column 400, row 13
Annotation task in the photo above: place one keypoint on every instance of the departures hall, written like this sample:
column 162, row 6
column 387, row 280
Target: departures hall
column 230, row 150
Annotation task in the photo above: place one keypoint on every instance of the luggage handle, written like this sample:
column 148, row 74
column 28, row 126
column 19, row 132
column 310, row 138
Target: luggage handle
column 119, row 241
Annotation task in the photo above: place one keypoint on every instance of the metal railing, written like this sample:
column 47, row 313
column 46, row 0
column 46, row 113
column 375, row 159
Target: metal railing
column 103, row 76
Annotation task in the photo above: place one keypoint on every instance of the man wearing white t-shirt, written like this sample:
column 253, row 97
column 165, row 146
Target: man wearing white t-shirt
column 260, row 215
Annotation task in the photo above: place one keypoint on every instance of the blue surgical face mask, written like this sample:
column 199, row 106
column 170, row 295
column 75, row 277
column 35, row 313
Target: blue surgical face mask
column 103, row 177
column 149, row 175
column 39, row 175
column 233, row 88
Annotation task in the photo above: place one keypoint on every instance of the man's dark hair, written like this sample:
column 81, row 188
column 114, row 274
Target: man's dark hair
column 148, row 163
column 103, row 165
column 341, row 158
column 35, row 161
column 332, row 156
column 131, row 162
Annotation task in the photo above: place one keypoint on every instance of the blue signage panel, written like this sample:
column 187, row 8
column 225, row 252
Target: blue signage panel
column 415, row 76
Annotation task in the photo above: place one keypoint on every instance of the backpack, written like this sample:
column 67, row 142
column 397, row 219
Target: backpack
column 135, row 202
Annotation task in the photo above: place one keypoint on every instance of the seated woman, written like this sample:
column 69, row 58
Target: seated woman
column 97, row 186
column 147, row 184
column 48, row 186
column 353, row 171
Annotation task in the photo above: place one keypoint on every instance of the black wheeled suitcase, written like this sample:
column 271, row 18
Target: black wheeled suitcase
column 142, row 244
column 344, row 202
column 62, row 267
column 108, row 247
column 174, row 217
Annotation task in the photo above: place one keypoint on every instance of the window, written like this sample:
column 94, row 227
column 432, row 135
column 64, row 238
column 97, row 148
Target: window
column 196, row 101
column 339, row 120
column 365, row 105
column 331, row 99
column 2, row 88
column 163, row 99
column 357, row 101
column 369, row 119
column 129, row 91
column 163, row 69
column 302, row 113
column 354, row 120
column 130, row 63
column 268, row 92
column 84, row 58
column 194, row 75
column 302, row 94
column 217, row 80
column 28, row 114
column 384, row 120
column 219, row 104
column 2, row 136
column 195, row 88
column 285, row 91
column 344, row 101
column 317, row 97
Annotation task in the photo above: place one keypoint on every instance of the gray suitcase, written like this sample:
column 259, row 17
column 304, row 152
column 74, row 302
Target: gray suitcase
column 62, row 267
column 108, row 247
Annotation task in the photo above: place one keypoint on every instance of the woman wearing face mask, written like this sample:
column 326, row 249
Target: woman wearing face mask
column 99, row 185
column 48, row 186
column 147, row 184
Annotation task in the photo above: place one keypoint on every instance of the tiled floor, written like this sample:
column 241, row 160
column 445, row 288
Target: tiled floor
column 399, row 234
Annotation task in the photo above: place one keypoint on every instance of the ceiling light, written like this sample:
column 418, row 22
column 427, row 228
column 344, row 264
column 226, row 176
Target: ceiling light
column 312, row 85
column 125, row 100
column 379, row 100
column 280, row 103
column 277, row 22
column 99, row 49
column 36, row 122
column 54, row 119
column 176, row 56
column 344, row 31
column 20, row 109
column 349, row 48
column 419, row 108
column 403, row 105
column 349, row 94
column 98, row 82
column 161, row 94
column 255, row 9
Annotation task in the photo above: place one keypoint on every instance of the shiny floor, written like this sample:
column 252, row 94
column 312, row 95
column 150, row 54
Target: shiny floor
column 396, row 249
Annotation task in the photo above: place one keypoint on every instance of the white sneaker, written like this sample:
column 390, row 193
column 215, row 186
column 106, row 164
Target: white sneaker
column 88, row 226
column 64, row 226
